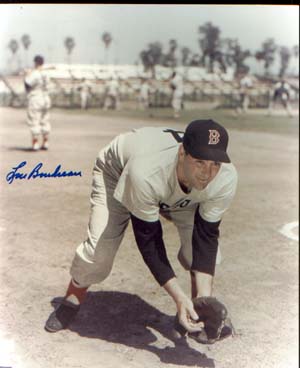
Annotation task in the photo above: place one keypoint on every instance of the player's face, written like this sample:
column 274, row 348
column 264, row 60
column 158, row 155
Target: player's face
column 199, row 173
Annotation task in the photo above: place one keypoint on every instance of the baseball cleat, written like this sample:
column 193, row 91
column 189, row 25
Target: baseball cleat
column 35, row 145
column 62, row 316
column 45, row 145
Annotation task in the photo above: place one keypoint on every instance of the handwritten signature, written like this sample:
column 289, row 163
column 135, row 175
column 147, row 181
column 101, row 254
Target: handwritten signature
column 37, row 173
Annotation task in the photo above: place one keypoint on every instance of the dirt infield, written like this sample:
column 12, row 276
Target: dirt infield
column 128, row 318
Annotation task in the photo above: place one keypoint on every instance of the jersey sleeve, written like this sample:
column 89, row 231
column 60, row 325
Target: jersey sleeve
column 136, row 193
column 150, row 242
column 213, row 208
column 31, row 79
column 205, row 245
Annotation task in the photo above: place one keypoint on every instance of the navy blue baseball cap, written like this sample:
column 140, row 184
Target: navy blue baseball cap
column 206, row 140
column 39, row 60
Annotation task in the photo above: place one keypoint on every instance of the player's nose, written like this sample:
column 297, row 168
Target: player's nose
column 207, row 168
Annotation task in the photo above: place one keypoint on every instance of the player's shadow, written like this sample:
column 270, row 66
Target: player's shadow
column 22, row 149
column 127, row 319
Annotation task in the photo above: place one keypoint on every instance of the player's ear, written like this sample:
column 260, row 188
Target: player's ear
column 181, row 150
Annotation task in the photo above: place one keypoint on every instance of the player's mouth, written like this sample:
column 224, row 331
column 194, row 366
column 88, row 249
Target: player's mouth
column 201, row 184
column 201, row 180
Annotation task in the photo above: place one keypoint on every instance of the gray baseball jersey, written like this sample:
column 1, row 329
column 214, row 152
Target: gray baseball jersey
column 143, row 162
column 38, row 82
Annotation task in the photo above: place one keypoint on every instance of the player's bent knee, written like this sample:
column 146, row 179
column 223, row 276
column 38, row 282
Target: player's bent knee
column 86, row 252
column 86, row 273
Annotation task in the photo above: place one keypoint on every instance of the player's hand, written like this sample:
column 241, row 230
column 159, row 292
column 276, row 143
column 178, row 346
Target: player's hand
column 185, row 309
column 187, row 316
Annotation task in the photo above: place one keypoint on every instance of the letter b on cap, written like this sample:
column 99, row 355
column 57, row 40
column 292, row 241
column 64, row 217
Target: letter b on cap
column 214, row 136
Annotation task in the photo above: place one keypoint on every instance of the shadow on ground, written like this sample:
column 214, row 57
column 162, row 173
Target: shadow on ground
column 127, row 319
column 22, row 149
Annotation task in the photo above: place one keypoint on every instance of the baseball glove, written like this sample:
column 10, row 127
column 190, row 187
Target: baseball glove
column 214, row 315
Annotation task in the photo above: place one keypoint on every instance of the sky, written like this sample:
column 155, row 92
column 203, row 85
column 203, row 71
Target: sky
column 133, row 27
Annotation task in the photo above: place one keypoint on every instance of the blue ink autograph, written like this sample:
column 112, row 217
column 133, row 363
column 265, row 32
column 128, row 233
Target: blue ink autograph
column 36, row 173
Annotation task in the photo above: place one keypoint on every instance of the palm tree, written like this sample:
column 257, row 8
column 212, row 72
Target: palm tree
column 173, row 46
column 152, row 56
column 107, row 39
column 267, row 54
column 13, row 46
column 170, row 58
column 285, row 56
column 14, row 62
column 144, row 56
column 228, row 46
column 185, row 54
column 295, row 51
column 295, row 54
column 236, row 56
column 26, row 42
column 69, row 45
column 195, row 60
column 210, row 45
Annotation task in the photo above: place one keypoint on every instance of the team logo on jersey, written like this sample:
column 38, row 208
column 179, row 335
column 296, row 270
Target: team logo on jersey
column 179, row 204
column 214, row 136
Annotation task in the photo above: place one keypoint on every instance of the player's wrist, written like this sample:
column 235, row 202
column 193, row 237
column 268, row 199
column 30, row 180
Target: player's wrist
column 175, row 291
column 203, row 283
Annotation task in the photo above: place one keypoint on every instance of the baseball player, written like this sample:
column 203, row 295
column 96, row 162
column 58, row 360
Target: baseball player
column 245, row 85
column 143, row 98
column 36, row 85
column 85, row 89
column 280, row 93
column 177, row 93
column 112, row 99
column 144, row 174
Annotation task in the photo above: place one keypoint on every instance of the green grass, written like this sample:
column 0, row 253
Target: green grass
column 251, row 122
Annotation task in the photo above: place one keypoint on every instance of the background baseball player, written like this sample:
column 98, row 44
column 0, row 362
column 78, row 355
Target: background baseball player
column 144, row 92
column 36, row 85
column 177, row 93
column 85, row 89
column 281, row 93
column 139, row 176
column 112, row 98
column 245, row 86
